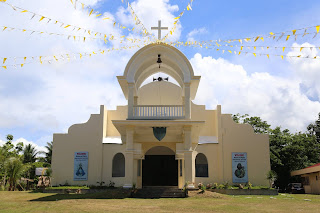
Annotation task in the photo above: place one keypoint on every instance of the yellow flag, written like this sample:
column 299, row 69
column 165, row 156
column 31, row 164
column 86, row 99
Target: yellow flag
column 84, row 39
column 105, row 18
column 74, row 37
column 55, row 58
column 299, row 56
column 271, row 33
column 25, row 58
column 89, row 32
column 255, row 48
column 294, row 32
column 239, row 52
column 301, row 49
column 283, row 48
column 5, row 67
column 90, row 12
column 41, row 18
column 98, row 15
column 229, row 51
column 4, row 60
column 318, row 27
column 288, row 36
column 282, row 57
column 255, row 54
column 262, row 38
column 67, row 26
column 114, row 24
column 241, row 47
column 177, row 17
column 80, row 55
column 40, row 59
column 4, row 28
column 24, row 11
column 22, row 65
column 257, row 38
column 268, row 56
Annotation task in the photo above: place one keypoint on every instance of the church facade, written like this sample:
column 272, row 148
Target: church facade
column 161, row 138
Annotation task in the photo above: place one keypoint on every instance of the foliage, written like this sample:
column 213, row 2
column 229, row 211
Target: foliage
column 48, row 154
column 19, row 161
column 29, row 154
column 14, row 169
column 271, row 176
column 288, row 152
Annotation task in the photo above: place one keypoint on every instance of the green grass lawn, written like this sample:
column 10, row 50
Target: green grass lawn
column 43, row 202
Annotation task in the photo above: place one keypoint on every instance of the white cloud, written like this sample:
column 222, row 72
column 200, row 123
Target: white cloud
column 149, row 12
column 191, row 35
column 277, row 100
column 46, row 99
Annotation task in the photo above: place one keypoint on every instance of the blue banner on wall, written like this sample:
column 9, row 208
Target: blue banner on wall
column 239, row 167
column 80, row 171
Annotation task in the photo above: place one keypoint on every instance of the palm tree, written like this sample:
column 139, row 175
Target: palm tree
column 14, row 169
column 29, row 154
column 49, row 152
column 272, row 176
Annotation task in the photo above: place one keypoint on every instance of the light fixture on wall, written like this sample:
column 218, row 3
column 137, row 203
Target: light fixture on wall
column 159, row 60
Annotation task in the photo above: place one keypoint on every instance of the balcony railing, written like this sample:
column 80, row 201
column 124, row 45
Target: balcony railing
column 158, row 112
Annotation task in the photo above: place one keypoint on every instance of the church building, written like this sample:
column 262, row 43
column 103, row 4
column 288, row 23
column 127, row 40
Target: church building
column 160, row 138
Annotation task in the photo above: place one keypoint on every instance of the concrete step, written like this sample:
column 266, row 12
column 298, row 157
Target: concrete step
column 160, row 192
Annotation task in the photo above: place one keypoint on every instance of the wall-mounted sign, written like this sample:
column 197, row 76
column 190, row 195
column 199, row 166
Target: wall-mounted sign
column 80, row 171
column 239, row 167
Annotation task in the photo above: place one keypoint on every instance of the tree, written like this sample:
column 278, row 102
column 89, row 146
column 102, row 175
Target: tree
column 271, row 177
column 257, row 124
column 288, row 152
column 49, row 152
column 14, row 169
column 29, row 154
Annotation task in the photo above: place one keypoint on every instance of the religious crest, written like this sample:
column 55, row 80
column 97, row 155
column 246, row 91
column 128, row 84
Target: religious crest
column 159, row 132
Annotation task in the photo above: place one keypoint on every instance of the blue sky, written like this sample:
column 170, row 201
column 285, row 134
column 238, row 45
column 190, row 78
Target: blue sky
column 39, row 100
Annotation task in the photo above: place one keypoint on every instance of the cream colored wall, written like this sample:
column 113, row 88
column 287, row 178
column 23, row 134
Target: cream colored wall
column 241, row 138
column 211, row 152
column 80, row 137
column 314, row 184
column 119, row 114
column 232, row 138
column 160, row 93
column 109, row 151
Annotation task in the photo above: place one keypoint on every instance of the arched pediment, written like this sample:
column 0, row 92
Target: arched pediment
column 144, row 63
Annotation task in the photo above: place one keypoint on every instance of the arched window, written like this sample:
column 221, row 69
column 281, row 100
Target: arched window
column 201, row 166
column 118, row 165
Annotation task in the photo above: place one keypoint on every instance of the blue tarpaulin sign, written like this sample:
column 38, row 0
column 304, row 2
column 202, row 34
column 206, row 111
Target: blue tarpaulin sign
column 239, row 167
column 80, row 171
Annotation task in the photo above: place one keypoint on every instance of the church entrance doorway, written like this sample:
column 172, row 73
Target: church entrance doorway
column 160, row 168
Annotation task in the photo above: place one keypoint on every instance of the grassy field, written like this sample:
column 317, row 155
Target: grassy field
column 40, row 202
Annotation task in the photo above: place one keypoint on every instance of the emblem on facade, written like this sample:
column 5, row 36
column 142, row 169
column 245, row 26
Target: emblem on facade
column 159, row 132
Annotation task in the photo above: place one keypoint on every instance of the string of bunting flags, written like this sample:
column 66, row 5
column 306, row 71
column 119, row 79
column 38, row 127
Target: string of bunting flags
column 75, row 37
column 19, row 62
column 205, row 44
column 189, row 7
column 57, row 22
column 276, row 36
column 266, row 54
column 137, row 20
column 91, row 11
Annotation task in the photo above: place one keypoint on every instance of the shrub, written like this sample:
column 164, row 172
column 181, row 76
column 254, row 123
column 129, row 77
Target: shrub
column 209, row 185
column 215, row 185
column 200, row 185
